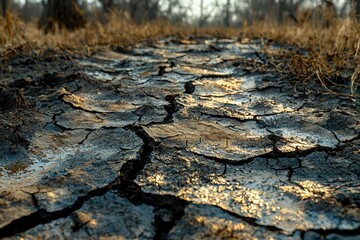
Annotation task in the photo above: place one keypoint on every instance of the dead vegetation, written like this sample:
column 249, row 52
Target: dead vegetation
column 325, row 54
column 329, row 55
column 17, row 37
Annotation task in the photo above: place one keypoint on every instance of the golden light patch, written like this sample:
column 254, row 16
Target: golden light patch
column 200, row 71
column 51, row 195
column 310, row 191
column 74, row 99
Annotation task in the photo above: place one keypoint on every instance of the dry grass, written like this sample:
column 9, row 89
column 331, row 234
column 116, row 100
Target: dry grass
column 16, row 37
column 329, row 55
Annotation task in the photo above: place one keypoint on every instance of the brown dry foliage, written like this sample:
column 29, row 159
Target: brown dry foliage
column 28, row 38
column 325, row 54
column 330, row 55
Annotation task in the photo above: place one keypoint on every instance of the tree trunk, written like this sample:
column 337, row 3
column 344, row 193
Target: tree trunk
column 201, row 21
column 4, row 6
column 357, row 10
column 227, row 13
column 343, row 8
column 281, row 10
column 61, row 13
column 106, row 4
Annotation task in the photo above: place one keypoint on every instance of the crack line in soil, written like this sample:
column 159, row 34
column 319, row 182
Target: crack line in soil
column 274, row 154
column 342, row 232
column 42, row 216
column 171, row 108
column 125, row 186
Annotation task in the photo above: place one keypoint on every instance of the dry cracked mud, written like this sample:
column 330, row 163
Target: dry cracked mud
column 174, row 140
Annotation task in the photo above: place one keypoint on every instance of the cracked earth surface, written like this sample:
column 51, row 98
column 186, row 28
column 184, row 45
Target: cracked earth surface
column 176, row 140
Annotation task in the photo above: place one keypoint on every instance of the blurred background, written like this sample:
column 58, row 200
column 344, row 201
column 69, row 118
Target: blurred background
column 227, row 13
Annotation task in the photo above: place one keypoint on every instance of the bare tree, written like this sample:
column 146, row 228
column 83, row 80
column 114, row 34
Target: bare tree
column 204, row 15
column 152, row 8
column 175, row 10
column 144, row 10
column 4, row 6
column 281, row 10
column 106, row 4
column 357, row 9
column 288, row 8
column 25, row 12
column 257, row 10
column 227, row 13
column 63, row 13
column 329, row 13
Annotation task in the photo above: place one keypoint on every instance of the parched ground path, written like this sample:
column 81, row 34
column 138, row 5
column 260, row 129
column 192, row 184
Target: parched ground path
column 176, row 140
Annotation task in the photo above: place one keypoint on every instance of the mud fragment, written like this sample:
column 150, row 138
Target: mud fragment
column 108, row 216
